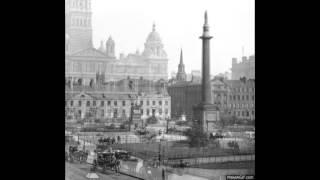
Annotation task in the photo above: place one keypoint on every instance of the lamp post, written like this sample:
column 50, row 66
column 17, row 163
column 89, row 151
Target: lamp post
column 167, row 118
column 131, row 114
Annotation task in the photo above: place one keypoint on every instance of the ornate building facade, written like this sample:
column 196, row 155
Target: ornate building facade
column 83, row 61
column 114, row 106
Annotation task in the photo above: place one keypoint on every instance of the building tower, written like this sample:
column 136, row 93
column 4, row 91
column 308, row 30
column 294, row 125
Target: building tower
column 181, row 75
column 155, row 56
column 78, row 24
column 110, row 46
column 101, row 48
column 206, row 114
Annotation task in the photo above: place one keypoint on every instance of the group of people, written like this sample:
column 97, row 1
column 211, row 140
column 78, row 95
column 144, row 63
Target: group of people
column 109, row 140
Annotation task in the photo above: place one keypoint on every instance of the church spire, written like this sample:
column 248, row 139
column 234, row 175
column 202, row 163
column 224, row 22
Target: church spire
column 181, row 75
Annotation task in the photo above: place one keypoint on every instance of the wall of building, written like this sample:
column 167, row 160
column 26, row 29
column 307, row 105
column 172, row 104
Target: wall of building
column 115, row 106
column 233, row 97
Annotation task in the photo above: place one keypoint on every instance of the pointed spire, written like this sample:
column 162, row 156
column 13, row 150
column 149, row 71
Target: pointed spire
column 181, row 57
column 181, row 75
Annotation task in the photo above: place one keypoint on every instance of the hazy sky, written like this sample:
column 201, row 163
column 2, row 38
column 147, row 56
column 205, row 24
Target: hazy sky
column 179, row 23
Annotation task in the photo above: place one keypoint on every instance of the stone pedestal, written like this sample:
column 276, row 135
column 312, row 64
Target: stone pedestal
column 206, row 116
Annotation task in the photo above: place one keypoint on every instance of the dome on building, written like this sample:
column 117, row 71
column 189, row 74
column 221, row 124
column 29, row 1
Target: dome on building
column 153, row 36
column 153, row 48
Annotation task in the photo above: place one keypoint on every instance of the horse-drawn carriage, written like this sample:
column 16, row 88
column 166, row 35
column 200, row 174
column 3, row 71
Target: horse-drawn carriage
column 106, row 160
column 77, row 155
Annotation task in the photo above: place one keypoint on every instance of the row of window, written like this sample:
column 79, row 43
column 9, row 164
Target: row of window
column 151, row 111
column 241, row 105
column 80, row 22
column 154, row 103
column 81, row 4
column 236, row 97
column 242, row 113
column 115, row 103
column 225, row 105
column 243, row 97
column 86, row 67
column 244, row 89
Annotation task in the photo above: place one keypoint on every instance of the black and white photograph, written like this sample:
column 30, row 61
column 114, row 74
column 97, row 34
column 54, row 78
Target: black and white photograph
column 159, row 89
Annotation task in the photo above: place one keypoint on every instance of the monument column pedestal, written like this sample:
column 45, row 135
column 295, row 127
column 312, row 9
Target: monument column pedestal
column 206, row 116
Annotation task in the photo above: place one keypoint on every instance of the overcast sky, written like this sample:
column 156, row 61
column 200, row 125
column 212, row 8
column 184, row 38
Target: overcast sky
column 179, row 23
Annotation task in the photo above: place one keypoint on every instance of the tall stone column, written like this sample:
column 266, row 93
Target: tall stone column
column 205, row 114
column 206, row 83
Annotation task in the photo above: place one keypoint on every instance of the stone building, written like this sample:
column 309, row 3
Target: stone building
column 112, row 101
column 245, row 68
column 83, row 61
column 183, row 96
column 114, row 106
column 233, row 97
column 241, row 98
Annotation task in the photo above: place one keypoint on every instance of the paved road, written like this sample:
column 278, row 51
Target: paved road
column 79, row 172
